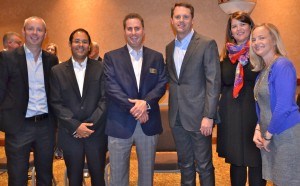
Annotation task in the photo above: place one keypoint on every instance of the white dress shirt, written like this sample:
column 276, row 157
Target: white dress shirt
column 137, row 61
column 79, row 69
column 37, row 103
column 180, row 50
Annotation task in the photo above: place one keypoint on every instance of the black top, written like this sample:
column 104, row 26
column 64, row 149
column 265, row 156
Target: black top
column 238, row 118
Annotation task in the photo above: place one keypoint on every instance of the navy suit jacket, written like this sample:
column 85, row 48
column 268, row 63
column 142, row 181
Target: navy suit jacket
column 121, row 84
column 14, row 88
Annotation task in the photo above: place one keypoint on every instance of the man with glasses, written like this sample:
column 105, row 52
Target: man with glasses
column 77, row 97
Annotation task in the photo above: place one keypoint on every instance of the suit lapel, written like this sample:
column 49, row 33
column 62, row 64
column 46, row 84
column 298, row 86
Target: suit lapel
column 145, row 66
column 46, row 66
column 129, row 66
column 87, row 77
column 72, row 78
column 172, row 48
column 189, row 52
column 23, row 66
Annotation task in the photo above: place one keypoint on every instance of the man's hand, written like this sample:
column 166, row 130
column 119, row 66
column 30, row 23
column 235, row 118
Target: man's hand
column 206, row 126
column 83, row 131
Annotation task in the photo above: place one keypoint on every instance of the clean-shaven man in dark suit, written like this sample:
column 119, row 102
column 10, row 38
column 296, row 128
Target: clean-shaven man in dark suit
column 135, row 81
column 77, row 98
column 26, row 117
column 194, row 78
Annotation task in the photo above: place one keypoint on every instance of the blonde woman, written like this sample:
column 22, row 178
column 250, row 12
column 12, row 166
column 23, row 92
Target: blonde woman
column 277, row 132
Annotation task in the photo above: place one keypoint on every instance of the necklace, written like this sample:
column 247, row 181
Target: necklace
column 264, row 73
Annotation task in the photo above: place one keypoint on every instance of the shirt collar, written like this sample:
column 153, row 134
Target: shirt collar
column 187, row 38
column 134, row 52
column 79, row 65
column 28, row 52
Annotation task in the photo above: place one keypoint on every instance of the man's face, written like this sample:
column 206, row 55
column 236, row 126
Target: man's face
column 134, row 33
column 14, row 42
column 182, row 21
column 80, row 46
column 34, row 32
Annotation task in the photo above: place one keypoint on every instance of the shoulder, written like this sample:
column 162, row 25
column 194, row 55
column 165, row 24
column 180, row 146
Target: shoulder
column 203, row 38
column 171, row 44
column 151, row 51
column 283, row 68
column 117, row 52
column 282, row 64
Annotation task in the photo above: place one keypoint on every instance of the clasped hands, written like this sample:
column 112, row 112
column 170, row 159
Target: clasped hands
column 139, row 110
column 259, row 141
column 83, row 131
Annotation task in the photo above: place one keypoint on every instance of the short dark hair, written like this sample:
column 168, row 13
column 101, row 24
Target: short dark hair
column 132, row 16
column 79, row 30
column 186, row 5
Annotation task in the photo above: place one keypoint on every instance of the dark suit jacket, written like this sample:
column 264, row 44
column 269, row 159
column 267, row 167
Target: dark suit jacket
column 195, row 93
column 70, row 108
column 121, row 85
column 14, row 87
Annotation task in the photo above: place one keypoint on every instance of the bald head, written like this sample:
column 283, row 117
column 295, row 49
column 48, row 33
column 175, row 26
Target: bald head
column 94, row 53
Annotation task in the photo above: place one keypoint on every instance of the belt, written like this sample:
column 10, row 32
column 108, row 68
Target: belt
column 37, row 118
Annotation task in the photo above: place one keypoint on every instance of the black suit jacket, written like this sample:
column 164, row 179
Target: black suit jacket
column 14, row 87
column 70, row 108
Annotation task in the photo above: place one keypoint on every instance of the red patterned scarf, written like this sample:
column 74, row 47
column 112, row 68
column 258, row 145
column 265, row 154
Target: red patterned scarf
column 240, row 54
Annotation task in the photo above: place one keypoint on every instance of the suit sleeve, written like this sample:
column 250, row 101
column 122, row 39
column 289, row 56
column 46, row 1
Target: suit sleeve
column 213, row 79
column 114, row 91
column 156, row 93
column 62, row 113
column 100, row 113
column 3, row 77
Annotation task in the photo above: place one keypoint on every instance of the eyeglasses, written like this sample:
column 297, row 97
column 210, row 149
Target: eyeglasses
column 84, row 42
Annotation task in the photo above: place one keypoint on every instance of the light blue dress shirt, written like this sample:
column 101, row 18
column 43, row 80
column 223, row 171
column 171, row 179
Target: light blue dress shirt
column 180, row 50
column 37, row 103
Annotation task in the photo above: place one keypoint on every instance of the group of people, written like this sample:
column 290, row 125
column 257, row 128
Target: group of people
column 252, row 90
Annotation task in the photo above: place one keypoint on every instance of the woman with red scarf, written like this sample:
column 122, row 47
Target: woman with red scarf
column 237, row 105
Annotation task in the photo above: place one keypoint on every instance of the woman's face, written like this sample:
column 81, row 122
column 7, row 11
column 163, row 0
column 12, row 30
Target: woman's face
column 262, row 42
column 240, row 31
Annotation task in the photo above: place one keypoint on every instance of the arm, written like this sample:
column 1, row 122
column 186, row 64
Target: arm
column 100, row 113
column 159, row 90
column 153, row 96
column 3, row 77
column 113, row 90
column 284, row 85
column 213, row 84
column 62, row 113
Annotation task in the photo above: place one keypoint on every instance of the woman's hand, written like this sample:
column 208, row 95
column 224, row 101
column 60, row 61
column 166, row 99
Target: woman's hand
column 257, row 138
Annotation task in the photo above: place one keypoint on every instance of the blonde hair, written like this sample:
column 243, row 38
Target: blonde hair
column 256, row 60
column 35, row 17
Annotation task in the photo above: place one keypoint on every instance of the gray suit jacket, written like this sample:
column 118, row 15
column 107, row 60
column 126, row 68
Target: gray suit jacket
column 195, row 93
